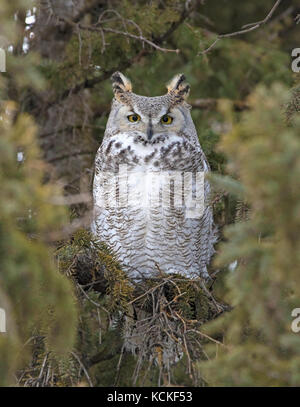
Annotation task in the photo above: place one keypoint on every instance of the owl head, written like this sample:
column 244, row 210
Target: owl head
column 149, row 117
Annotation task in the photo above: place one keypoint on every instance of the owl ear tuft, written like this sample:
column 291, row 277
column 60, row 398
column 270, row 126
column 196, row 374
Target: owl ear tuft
column 121, row 85
column 179, row 87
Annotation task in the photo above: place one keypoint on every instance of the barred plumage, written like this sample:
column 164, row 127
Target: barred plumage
column 152, row 239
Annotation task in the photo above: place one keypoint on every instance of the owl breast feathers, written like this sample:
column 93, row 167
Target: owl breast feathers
column 151, row 199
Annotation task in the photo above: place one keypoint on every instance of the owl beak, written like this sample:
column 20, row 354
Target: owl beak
column 149, row 130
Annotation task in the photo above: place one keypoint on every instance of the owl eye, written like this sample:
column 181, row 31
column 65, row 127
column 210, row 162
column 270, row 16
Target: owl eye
column 166, row 119
column 133, row 118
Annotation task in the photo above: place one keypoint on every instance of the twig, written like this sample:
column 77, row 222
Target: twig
column 267, row 18
column 80, row 46
column 207, row 337
column 90, row 83
column 83, row 368
column 151, row 290
column 95, row 303
column 129, row 35
column 112, row 30
column 188, row 8
column 184, row 341
column 119, row 365
column 43, row 366
column 245, row 29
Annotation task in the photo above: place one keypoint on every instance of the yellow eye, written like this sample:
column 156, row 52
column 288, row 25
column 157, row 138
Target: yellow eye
column 166, row 119
column 133, row 118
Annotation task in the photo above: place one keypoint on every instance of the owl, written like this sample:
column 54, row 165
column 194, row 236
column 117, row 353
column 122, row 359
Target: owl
column 151, row 144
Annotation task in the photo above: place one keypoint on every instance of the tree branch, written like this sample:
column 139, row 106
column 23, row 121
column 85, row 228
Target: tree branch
column 90, row 83
column 112, row 30
column 245, row 29
column 188, row 8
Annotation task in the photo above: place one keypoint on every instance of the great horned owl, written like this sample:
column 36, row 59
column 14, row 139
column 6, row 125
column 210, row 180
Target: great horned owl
column 152, row 135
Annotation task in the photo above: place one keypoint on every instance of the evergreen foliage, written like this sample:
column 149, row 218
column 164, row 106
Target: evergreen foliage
column 259, row 346
column 69, row 305
column 32, row 292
